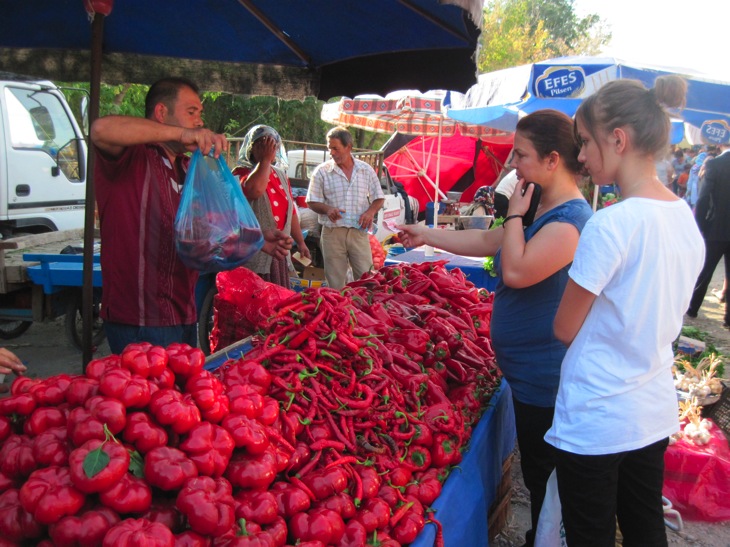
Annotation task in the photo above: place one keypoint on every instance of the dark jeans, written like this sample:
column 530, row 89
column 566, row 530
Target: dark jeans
column 119, row 335
column 537, row 458
column 714, row 251
column 596, row 490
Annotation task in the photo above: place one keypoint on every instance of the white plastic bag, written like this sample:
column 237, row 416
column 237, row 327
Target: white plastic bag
column 550, row 531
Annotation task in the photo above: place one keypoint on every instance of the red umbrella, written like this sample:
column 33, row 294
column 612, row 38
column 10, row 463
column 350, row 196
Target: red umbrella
column 465, row 164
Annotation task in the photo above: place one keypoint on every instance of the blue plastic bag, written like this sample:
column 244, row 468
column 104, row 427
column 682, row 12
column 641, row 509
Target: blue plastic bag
column 215, row 227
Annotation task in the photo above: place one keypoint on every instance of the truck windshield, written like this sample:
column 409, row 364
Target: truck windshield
column 38, row 121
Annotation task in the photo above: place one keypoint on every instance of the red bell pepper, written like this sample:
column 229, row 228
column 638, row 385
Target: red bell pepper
column 143, row 432
column 252, row 471
column 245, row 400
column 164, row 511
column 445, row 451
column 22, row 404
column 321, row 524
column 207, row 504
column 257, row 506
column 110, row 412
column 188, row 538
column 423, row 435
column 166, row 380
column 97, row 367
column 289, row 499
column 324, row 483
column 210, row 447
column 270, row 412
column 139, row 533
column 16, row 457
column 82, row 427
column 81, row 389
column 407, row 528
column 51, row 447
column 132, row 390
column 49, row 495
column 208, row 394
column 22, row 384
column 87, row 528
column 6, row 428
column 370, row 479
column 374, row 514
column 130, row 494
column 168, row 468
column 16, row 524
column 426, row 488
column 246, row 433
column 98, row 465
column 43, row 418
column 184, row 360
column 172, row 408
column 342, row 503
column 355, row 535
column 417, row 458
column 247, row 534
column 51, row 391
column 144, row 359
column 247, row 372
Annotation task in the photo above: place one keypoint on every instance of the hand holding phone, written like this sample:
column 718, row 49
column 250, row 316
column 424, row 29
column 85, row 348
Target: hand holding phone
column 534, row 202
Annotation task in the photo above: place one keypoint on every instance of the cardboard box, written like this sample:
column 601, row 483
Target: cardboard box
column 311, row 278
column 690, row 346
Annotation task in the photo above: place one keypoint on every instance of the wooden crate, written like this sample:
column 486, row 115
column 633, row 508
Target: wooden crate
column 499, row 512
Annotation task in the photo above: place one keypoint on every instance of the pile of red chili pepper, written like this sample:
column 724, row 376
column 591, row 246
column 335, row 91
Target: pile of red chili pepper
column 338, row 428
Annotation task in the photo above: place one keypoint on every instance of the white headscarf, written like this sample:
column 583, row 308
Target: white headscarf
column 245, row 155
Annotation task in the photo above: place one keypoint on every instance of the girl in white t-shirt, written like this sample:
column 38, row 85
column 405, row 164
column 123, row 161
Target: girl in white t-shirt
column 630, row 283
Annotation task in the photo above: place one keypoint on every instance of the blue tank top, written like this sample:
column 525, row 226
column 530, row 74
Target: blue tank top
column 527, row 351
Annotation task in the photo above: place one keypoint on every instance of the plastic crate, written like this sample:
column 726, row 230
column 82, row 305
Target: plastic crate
column 720, row 412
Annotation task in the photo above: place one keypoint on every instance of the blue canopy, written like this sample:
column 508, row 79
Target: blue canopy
column 500, row 98
column 320, row 47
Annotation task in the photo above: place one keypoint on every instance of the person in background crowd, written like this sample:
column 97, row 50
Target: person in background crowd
column 267, row 189
column 693, row 182
column 678, row 163
column 503, row 192
column 630, row 282
column 713, row 218
column 346, row 194
column 148, row 294
column 532, row 265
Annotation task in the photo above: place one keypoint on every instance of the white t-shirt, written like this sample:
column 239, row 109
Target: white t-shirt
column 641, row 257
column 507, row 185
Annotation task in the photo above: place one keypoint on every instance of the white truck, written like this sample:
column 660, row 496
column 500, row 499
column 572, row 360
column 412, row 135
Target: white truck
column 42, row 159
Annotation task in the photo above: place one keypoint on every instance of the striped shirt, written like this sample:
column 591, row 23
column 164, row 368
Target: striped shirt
column 329, row 185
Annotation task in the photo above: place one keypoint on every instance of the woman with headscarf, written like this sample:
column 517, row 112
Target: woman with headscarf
column 267, row 189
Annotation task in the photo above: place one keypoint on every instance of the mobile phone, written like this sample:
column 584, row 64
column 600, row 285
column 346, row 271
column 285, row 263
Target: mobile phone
column 534, row 202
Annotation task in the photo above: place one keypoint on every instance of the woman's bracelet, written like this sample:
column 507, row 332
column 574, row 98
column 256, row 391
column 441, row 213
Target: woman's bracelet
column 510, row 218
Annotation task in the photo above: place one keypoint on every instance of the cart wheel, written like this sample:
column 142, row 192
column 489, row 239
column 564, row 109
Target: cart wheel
column 205, row 320
column 12, row 329
column 75, row 325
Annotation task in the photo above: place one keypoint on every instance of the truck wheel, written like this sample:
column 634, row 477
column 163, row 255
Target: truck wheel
column 74, row 323
column 205, row 320
column 12, row 329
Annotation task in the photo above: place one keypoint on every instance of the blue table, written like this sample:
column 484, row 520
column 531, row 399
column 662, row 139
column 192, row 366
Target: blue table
column 471, row 266
column 471, row 489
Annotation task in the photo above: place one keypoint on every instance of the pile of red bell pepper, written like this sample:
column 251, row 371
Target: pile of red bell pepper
column 338, row 428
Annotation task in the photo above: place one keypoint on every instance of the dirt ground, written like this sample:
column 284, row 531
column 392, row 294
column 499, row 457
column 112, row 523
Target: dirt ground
column 695, row 534
column 46, row 352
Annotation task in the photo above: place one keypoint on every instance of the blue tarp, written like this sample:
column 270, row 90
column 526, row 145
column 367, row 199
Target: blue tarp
column 500, row 98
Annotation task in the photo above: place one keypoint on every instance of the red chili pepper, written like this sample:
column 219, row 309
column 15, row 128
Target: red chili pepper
column 144, row 359
column 321, row 524
column 168, row 468
column 129, row 495
column 49, row 495
column 139, row 533
column 174, row 409
column 207, row 504
column 16, row 524
column 210, row 447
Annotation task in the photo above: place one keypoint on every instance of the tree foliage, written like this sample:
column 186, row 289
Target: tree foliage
column 518, row 32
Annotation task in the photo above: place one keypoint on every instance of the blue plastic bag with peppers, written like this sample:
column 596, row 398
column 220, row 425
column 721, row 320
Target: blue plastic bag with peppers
column 215, row 227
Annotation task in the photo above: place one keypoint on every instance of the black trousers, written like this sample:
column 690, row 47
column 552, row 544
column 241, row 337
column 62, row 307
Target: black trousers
column 537, row 458
column 714, row 251
column 595, row 491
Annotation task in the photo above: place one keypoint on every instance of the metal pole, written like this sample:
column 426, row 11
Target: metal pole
column 87, row 290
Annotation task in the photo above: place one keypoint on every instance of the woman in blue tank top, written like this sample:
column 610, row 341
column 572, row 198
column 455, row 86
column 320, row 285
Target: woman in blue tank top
column 532, row 263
